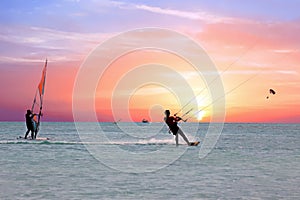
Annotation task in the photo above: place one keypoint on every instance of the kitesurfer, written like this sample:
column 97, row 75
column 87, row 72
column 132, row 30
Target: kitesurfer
column 29, row 124
column 171, row 121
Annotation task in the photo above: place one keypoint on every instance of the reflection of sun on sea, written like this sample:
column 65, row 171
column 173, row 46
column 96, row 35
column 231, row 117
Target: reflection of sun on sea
column 200, row 115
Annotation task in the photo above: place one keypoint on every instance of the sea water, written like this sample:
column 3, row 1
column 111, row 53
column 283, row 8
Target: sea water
column 119, row 161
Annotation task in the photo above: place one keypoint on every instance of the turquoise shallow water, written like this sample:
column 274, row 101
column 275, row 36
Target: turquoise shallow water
column 249, row 161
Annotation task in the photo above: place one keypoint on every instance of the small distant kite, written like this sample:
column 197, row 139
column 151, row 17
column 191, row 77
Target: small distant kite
column 271, row 91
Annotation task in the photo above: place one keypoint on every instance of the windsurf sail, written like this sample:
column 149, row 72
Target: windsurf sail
column 37, row 105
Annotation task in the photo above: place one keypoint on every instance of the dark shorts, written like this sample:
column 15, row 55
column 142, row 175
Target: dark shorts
column 174, row 130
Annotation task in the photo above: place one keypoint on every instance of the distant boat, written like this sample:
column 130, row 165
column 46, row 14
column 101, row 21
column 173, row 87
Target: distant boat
column 145, row 121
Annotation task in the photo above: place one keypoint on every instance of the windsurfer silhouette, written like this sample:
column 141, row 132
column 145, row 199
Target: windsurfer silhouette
column 30, row 124
column 171, row 121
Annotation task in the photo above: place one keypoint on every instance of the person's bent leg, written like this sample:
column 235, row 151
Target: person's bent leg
column 176, row 139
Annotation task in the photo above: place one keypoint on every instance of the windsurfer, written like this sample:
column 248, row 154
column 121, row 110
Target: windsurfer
column 171, row 121
column 30, row 124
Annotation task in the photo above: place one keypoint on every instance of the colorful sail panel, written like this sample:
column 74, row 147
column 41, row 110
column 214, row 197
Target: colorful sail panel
column 43, row 79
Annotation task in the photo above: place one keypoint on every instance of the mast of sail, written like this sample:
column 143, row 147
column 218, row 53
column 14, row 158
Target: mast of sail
column 34, row 102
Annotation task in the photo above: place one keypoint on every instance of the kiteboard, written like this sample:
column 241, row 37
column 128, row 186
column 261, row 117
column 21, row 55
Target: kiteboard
column 37, row 139
column 194, row 143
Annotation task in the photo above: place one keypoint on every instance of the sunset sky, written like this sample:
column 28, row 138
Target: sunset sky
column 254, row 45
